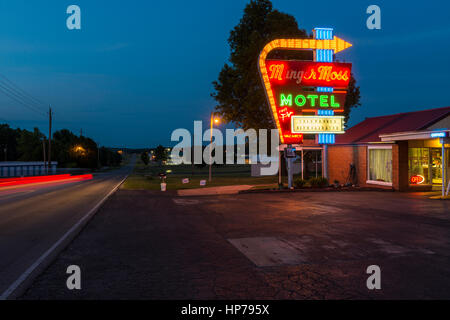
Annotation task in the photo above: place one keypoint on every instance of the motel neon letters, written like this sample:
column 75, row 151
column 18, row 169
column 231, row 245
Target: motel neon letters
column 313, row 100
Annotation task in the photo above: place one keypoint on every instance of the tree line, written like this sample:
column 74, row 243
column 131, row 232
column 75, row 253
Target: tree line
column 70, row 150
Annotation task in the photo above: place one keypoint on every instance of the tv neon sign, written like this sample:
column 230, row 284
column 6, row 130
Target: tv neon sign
column 417, row 179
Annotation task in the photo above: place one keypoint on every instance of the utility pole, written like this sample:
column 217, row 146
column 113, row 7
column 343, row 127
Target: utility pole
column 49, row 138
column 210, row 146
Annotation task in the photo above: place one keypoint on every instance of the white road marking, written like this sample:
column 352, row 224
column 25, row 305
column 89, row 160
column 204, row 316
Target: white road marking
column 33, row 267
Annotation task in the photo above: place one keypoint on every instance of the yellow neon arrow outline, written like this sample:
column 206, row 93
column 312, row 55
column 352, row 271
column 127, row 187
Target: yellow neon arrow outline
column 337, row 44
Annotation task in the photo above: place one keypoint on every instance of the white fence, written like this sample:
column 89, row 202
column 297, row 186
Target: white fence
column 25, row 169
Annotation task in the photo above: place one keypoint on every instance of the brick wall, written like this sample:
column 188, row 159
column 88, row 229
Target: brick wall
column 339, row 160
column 340, row 157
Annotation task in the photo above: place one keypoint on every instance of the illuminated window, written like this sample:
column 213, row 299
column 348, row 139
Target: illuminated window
column 380, row 165
column 418, row 160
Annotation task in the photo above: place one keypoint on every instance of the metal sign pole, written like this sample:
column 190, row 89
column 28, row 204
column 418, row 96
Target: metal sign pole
column 279, row 167
column 444, row 162
column 290, row 175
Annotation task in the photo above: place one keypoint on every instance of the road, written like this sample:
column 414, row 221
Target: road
column 311, row 245
column 34, row 217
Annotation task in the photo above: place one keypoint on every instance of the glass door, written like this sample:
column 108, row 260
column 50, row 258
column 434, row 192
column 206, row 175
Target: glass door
column 436, row 165
column 419, row 166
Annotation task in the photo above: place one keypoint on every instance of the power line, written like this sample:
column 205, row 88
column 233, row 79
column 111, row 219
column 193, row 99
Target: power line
column 19, row 95
column 20, row 91
column 14, row 96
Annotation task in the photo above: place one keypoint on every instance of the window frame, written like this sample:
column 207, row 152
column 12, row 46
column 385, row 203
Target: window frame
column 380, row 183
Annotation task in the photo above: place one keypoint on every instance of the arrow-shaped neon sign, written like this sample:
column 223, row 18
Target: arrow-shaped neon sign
column 336, row 44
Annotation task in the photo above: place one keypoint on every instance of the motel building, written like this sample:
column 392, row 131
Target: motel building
column 404, row 152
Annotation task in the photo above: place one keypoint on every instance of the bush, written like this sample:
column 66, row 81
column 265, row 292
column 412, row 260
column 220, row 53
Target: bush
column 319, row 182
column 299, row 182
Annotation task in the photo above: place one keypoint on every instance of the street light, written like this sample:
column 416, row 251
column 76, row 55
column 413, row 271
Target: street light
column 216, row 121
column 79, row 149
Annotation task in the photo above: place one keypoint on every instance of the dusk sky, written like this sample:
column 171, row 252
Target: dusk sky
column 137, row 70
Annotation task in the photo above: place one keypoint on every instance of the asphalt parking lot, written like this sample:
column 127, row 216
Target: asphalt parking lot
column 315, row 245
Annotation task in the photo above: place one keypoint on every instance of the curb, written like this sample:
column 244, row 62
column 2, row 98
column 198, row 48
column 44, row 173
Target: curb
column 316, row 190
column 213, row 191
column 18, row 287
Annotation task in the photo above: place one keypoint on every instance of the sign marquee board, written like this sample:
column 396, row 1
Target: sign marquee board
column 317, row 124
column 289, row 86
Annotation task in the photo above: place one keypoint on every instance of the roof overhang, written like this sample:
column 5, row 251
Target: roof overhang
column 415, row 135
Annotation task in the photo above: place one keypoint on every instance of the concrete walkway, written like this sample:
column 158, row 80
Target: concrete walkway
column 213, row 190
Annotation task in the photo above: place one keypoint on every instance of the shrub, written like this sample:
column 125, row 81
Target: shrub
column 299, row 183
column 319, row 182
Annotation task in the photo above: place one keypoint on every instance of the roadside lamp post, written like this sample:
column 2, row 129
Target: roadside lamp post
column 213, row 121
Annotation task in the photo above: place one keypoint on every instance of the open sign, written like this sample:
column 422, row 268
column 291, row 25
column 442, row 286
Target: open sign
column 417, row 179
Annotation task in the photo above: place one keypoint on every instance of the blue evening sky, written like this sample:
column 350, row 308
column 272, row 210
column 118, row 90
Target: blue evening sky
column 139, row 69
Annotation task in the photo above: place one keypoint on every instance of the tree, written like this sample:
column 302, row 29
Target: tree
column 68, row 149
column 8, row 142
column 238, row 90
column 74, row 151
column 29, row 145
column 145, row 158
column 63, row 143
column 109, row 158
column 352, row 99
column 160, row 154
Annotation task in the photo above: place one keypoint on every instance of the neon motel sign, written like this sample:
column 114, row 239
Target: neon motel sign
column 290, row 87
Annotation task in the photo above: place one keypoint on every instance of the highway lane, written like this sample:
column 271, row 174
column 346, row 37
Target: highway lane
column 34, row 217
